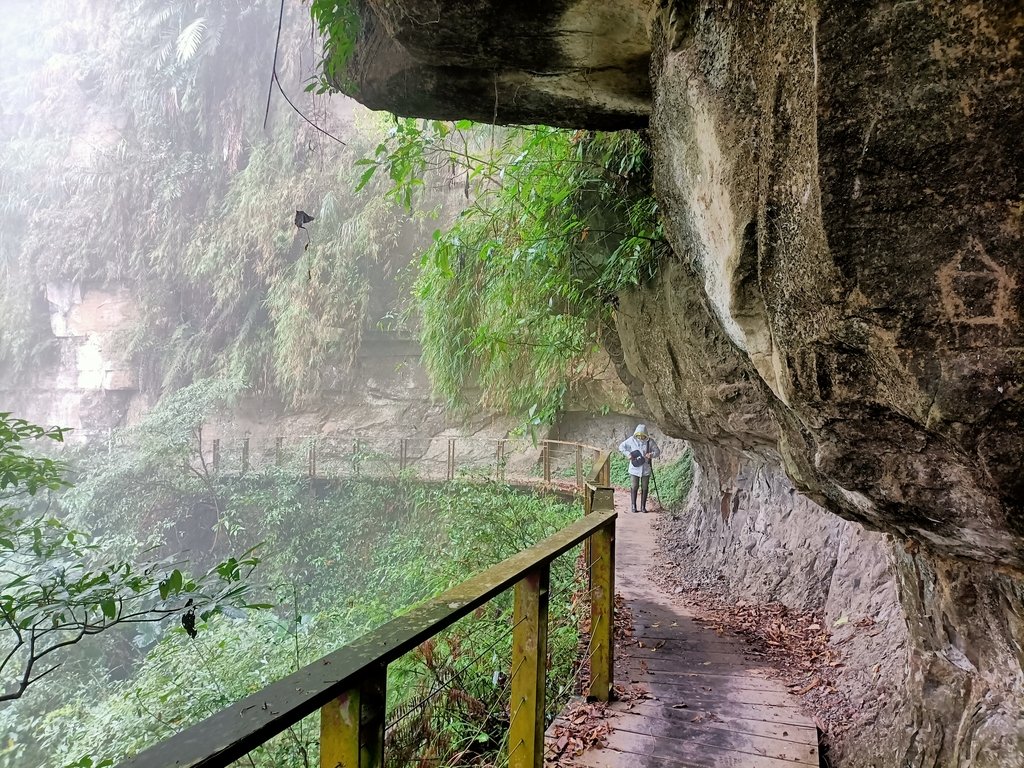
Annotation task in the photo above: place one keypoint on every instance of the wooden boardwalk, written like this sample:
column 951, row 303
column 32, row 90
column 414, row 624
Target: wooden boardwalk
column 710, row 705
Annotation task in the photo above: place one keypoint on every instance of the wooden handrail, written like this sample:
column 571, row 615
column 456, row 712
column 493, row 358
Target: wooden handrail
column 600, row 475
column 347, row 681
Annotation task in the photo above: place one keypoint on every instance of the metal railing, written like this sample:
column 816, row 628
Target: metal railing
column 349, row 686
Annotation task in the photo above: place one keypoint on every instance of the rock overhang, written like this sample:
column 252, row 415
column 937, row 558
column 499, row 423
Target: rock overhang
column 569, row 63
column 841, row 187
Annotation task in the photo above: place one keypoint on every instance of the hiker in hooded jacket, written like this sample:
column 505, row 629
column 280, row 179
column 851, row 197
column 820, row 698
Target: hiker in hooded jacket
column 639, row 449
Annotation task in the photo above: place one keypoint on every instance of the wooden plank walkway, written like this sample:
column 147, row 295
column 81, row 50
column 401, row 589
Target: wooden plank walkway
column 711, row 705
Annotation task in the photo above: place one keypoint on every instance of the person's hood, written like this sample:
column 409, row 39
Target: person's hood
column 641, row 429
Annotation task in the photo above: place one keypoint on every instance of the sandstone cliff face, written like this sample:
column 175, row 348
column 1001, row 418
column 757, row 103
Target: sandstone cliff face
column 846, row 196
column 841, row 183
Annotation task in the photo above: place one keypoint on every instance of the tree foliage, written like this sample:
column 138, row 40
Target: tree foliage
column 140, row 159
column 337, row 22
column 514, row 294
column 379, row 563
column 58, row 587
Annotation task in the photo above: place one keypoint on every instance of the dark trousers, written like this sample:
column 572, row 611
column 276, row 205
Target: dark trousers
column 638, row 483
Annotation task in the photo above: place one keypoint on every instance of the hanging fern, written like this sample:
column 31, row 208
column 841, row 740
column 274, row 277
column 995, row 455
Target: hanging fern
column 190, row 39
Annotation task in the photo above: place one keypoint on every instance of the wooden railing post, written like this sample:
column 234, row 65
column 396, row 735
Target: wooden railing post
column 547, row 461
column 579, row 467
column 588, row 507
column 216, row 454
column 529, row 669
column 602, row 602
column 312, row 458
column 352, row 725
column 278, row 451
column 403, row 450
column 500, row 461
column 451, row 459
column 245, row 454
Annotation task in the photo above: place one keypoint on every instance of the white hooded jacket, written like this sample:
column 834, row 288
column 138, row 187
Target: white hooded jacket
column 645, row 446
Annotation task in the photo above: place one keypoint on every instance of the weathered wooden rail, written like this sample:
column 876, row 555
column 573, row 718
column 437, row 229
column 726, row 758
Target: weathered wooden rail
column 328, row 456
column 349, row 686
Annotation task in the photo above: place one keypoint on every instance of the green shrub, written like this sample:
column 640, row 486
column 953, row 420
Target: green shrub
column 361, row 553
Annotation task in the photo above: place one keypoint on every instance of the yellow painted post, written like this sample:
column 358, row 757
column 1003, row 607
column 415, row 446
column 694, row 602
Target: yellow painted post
column 352, row 726
column 529, row 669
column 602, row 608
column 588, row 507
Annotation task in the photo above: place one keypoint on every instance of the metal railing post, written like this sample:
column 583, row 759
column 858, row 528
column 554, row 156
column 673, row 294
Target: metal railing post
column 602, row 601
column 312, row 458
column 529, row 669
column 451, row 459
column 352, row 725
column 547, row 461
column 579, row 467
column 216, row 455
column 403, row 451
column 279, row 451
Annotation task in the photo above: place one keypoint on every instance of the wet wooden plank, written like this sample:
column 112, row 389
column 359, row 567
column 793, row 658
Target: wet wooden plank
column 675, row 692
column 714, row 703
column 631, row 750
column 697, row 735
column 718, row 719
column 724, row 678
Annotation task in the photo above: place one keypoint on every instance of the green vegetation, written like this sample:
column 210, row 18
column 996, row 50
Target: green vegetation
column 58, row 587
column 140, row 160
column 370, row 551
column 337, row 559
column 337, row 21
column 514, row 295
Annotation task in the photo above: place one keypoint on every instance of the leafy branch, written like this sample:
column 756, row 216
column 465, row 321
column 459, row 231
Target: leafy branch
column 513, row 293
column 56, row 585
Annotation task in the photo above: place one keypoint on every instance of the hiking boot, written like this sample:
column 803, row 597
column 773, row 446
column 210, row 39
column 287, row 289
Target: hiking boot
column 633, row 510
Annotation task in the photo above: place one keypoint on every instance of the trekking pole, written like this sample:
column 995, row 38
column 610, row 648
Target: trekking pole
column 654, row 482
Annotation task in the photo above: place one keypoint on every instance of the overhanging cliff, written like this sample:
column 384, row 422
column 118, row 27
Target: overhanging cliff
column 841, row 184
